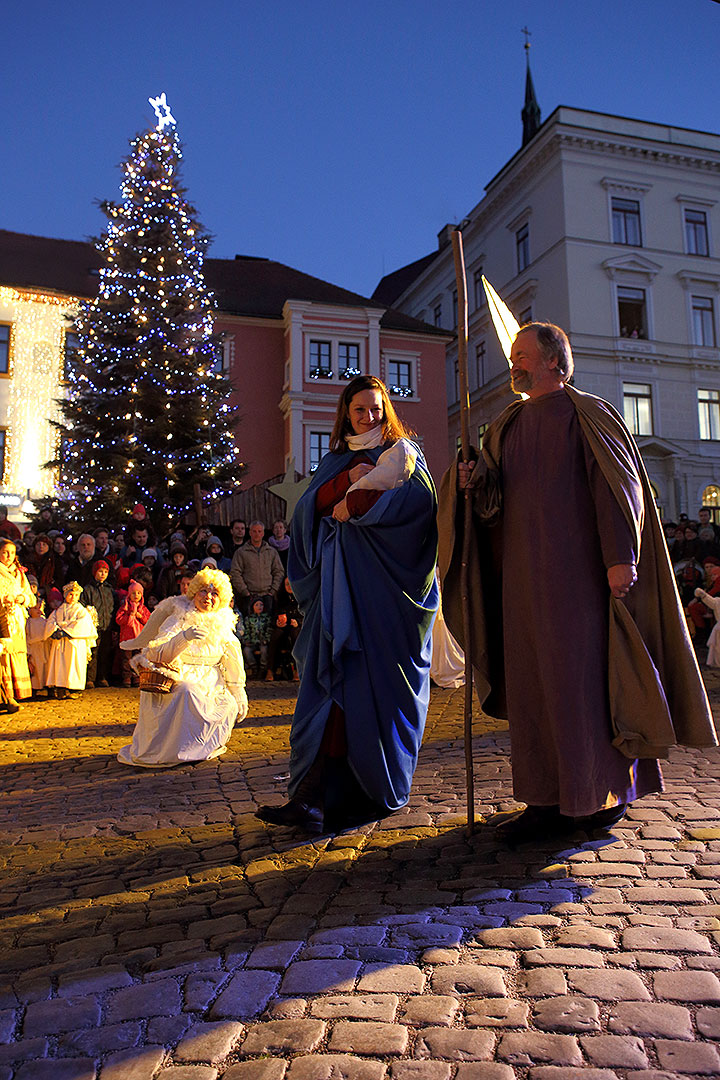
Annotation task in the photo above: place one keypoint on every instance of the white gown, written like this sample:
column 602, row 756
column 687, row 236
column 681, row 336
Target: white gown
column 447, row 666
column 68, row 657
column 194, row 721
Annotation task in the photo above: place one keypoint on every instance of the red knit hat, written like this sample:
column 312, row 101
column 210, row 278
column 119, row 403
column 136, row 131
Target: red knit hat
column 100, row 564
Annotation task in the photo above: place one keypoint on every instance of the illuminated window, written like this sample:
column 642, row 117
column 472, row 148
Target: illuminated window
column 221, row 358
column 522, row 247
column 711, row 499
column 71, row 353
column 4, row 348
column 319, row 446
column 637, row 408
column 709, row 415
column 399, row 378
column 482, row 428
column 320, row 360
column 348, row 360
column 632, row 312
column 2, row 453
column 696, row 233
column 626, row 222
column 703, row 320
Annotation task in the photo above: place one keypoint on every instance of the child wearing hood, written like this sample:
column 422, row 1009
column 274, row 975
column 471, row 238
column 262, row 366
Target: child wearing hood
column 131, row 617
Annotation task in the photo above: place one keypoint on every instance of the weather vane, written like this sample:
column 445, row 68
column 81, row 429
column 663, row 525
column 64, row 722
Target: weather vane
column 162, row 111
column 528, row 35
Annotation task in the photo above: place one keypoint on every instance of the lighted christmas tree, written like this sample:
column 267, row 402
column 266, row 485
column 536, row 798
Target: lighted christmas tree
column 147, row 415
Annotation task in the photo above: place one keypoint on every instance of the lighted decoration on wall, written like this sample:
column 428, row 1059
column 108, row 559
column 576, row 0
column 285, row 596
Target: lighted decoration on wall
column 162, row 111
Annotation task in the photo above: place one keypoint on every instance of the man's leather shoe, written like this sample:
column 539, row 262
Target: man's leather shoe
column 534, row 823
column 295, row 813
column 602, row 819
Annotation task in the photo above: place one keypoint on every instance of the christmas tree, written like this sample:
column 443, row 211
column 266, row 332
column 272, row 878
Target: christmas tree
column 147, row 416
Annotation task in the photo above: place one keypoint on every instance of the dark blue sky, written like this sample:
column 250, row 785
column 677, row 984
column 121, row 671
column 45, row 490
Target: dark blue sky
column 335, row 136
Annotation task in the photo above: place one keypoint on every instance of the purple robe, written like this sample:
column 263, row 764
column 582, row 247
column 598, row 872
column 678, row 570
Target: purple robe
column 562, row 529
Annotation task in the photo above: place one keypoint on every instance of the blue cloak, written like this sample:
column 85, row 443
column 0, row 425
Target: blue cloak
column 367, row 591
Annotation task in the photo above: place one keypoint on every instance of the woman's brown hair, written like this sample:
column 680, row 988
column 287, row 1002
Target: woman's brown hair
column 392, row 426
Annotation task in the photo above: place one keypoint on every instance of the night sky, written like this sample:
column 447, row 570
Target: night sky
column 335, row 136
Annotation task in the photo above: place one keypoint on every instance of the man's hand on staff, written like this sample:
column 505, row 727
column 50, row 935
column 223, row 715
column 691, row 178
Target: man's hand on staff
column 465, row 469
column 621, row 579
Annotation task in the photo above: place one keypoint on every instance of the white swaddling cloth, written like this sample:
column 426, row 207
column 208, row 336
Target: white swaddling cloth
column 394, row 466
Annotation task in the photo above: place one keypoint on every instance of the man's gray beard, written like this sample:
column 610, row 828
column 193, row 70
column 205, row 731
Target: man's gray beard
column 520, row 381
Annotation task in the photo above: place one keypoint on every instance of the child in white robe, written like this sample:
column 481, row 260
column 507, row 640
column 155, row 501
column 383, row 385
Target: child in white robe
column 72, row 634
column 713, row 643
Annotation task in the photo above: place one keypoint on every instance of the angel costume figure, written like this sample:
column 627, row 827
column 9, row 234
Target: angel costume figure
column 15, row 598
column 72, row 634
column 190, row 638
column 361, row 563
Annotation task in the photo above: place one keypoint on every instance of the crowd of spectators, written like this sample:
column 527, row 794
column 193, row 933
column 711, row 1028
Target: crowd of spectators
column 123, row 573
column 694, row 548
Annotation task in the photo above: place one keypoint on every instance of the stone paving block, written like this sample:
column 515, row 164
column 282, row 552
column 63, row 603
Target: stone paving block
column 320, row 976
column 543, row 982
column 189, row 1072
column 609, row 985
column 454, row 1044
column 141, row 1064
column 356, row 1006
column 567, row 1013
column 665, row 939
column 484, row 1070
column 563, row 958
column 335, row 1067
column 94, row 981
column 685, row 1057
column 511, row 937
column 283, row 1036
column 271, row 1069
column 349, row 935
column 556, row 1072
column 59, row 1015
column 700, row 986
column 275, row 955
column 615, row 1051
column 469, row 979
column 286, row 1009
column 400, row 978
column 24, row 1050
column 708, row 1023
column 210, row 1042
column 368, row 1037
column 496, row 1012
column 430, row 1009
column 651, row 1020
column 8, row 1019
column 585, row 936
column 161, row 998
column 246, row 995
column 530, row 1047
column 201, row 989
column 420, row 1070
column 167, row 1030
column 104, row 1040
column 57, row 1069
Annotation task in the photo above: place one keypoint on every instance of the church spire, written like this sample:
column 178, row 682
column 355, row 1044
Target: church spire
column 531, row 109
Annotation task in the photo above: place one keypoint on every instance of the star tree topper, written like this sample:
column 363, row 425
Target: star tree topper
column 162, row 111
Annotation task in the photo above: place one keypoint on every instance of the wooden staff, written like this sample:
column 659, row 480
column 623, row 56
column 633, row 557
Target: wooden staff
column 462, row 335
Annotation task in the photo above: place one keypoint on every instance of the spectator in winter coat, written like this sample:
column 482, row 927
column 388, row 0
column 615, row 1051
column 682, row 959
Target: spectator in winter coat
column 99, row 595
column 256, row 571
column 131, row 617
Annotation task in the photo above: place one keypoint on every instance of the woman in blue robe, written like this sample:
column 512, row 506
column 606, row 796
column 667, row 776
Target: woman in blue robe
column 363, row 547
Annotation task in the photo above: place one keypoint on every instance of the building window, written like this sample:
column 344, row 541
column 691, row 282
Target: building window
column 4, row 348
column 319, row 446
column 480, row 356
column 525, row 316
column 696, row 233
column 637, row 408
column 71, row 354
column 709, row 415
column 482, row 428
column 320, row 362
column 2, row 453
column 703, row 320
column 632, row 312
column 522, row 247
column 711, row 499
column 437, row 315
column 399, row 378
column 626, row 222
column 478, row 288
column 455, row 309
column 348, row 360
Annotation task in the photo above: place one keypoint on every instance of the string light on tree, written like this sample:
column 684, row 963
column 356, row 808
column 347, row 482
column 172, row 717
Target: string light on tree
column 147, row 416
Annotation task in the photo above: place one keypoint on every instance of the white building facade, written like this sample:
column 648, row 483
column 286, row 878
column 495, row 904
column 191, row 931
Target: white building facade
column 609, row 227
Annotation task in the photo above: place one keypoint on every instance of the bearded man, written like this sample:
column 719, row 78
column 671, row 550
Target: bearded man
column 579, row 636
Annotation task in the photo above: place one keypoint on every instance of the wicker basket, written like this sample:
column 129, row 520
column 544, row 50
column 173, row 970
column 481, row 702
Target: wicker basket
column 155, row 682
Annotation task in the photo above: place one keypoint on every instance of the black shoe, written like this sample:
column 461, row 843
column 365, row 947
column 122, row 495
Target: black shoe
column 12, row 708
column 602, row 819
column 294, row 813
column 534, row 823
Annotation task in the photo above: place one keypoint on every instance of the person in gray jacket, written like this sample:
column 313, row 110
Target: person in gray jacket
column 256, row 571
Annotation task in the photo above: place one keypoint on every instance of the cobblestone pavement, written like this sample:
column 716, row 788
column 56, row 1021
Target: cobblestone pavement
column 151, row 927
